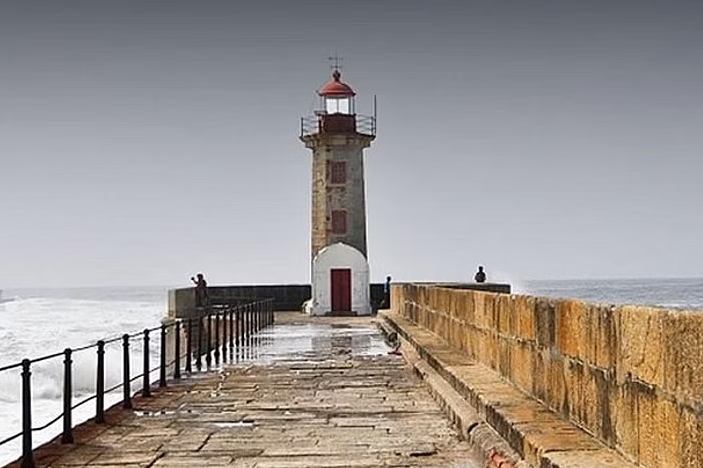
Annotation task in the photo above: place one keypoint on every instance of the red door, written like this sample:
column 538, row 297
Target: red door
column 340, row 282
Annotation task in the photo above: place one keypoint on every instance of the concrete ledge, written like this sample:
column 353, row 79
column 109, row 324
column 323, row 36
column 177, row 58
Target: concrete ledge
column 472, row 427
column 538, row 436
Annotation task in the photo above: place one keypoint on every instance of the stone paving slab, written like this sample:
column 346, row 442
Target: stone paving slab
column 321, row 408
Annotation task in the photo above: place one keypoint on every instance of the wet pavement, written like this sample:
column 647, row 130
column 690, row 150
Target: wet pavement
column 305, row 393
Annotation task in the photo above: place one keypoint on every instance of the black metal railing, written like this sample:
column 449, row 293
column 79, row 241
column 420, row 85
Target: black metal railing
column 312, row 124
column 217, row 333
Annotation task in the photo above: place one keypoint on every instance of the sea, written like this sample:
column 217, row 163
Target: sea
column 37, row 322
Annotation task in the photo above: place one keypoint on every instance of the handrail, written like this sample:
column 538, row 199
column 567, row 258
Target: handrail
column 312, row 124
column 237, row 322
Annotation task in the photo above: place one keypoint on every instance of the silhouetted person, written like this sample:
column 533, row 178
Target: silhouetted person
column 201, row 296
column 387, row 293
column 480, row 276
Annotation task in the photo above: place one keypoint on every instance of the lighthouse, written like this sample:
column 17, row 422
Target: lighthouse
column 337, row 136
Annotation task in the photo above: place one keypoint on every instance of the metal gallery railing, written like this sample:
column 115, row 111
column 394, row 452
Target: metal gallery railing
column 313, row 124
column 216, row 334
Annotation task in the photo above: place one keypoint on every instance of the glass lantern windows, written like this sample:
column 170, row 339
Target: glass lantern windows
column 338, row 105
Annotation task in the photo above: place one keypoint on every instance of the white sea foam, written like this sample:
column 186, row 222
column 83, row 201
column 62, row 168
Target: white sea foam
column 46, row 322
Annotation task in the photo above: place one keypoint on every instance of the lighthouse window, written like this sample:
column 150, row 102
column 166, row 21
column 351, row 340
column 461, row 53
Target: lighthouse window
column 337, row 105
column 339, row 172
column 339, row 221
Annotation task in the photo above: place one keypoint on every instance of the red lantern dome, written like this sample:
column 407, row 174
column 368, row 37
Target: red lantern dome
column 335, row 87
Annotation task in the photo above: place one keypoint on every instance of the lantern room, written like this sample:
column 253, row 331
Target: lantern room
column 337, row 97
column 336, row 113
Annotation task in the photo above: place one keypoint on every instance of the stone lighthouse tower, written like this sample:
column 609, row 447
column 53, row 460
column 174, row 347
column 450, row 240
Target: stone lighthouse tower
column 337, row 136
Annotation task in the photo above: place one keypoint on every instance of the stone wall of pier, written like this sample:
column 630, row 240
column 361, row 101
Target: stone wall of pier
column 631, row 376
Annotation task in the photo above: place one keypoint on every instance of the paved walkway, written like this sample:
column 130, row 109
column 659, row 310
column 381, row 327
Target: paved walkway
column 309, row 394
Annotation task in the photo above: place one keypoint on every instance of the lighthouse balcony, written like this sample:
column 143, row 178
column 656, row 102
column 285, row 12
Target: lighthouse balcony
column 337, row 123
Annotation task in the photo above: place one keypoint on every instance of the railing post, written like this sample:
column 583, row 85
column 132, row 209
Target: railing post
column 217, row 338
column 256, row 316
column 189, row 347
column 208, row 342
column 237, row 325
column 67, row 435
column 177, row 364
column 199, row 357
column 252, row 319
column 162, row 357
column 224, row 334
column 231, row 333
column 27, row 455
column 126, row 374
column 146, row 385
column 246, row 321
column 100, row 385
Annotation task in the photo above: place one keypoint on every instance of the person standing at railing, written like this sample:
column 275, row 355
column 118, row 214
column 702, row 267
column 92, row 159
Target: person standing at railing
column 201, row 295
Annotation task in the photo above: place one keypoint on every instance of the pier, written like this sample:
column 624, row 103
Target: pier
column 303, row 393
column 450, row 375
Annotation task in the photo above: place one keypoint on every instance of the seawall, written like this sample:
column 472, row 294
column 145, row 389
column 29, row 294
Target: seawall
column 630, row 376
column 286, row 297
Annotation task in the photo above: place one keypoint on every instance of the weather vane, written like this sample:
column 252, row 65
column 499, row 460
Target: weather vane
column 335, row 62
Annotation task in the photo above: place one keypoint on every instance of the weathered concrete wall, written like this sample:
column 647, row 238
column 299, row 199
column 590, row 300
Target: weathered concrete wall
column 181, row 302
column 631, row 376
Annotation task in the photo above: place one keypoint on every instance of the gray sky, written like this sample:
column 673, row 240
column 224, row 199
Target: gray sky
column 141, row 142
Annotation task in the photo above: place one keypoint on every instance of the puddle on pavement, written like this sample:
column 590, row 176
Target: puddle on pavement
column 310, row 342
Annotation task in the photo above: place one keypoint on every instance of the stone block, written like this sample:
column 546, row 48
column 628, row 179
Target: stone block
column 491, row 309
column 623, row 407
column 480, row 310
column 505, row 314
column 504, row 356
column 545, row 314
column 573, row 330
column 521, row 366
column 447, row 303
column 604, row 384
column 456, row 332
column 488, row 349
column 468, row 306
column 691, row 436
column 444, row 325
column 454, row 307
column 605, row 336
column 659, row 426
column 556, row 383
column 683, row 354
column 640, row 347
column 540, row 381
column 471, row 341
column 525, row 317
column 572, row 406
column 587, row 399
column 549, row 384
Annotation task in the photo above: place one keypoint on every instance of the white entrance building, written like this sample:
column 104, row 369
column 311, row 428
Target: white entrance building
column 340, row 282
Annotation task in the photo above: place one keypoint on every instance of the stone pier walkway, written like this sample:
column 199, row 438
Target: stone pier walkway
column 306, row 394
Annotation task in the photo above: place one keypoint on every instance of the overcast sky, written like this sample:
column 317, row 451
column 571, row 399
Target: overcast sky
column 143, row 141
